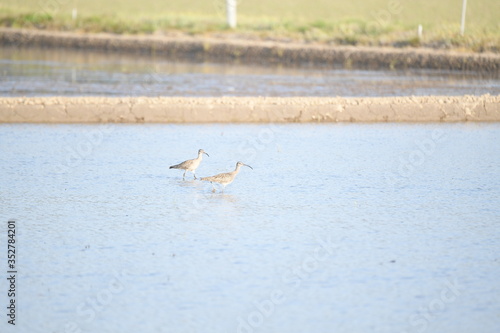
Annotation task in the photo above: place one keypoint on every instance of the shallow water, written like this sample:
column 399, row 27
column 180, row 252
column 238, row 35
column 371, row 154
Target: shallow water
column 338, row 228
column 48, row 72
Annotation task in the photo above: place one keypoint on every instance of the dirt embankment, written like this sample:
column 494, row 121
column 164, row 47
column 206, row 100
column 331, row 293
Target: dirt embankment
column 248, row 109
column 260, row 52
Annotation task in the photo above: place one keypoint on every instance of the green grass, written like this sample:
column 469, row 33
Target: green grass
column 354, row 22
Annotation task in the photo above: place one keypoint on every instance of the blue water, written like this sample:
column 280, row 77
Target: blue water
column 338, row 228
column 48, row 72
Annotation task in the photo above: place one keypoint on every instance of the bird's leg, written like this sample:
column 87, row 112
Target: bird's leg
column 213, row 188
column 194, row 174
column 184, row 175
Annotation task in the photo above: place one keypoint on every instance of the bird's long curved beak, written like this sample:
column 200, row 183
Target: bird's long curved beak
column 206, row 154
column 248, row 166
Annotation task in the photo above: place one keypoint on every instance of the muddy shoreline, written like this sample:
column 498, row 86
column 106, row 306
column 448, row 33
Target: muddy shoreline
column 256, row 52
column 248, row 109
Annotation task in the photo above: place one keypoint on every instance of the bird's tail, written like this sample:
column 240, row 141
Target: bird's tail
column 174, row 166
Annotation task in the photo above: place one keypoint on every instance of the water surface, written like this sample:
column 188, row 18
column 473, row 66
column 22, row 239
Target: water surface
column 49, row 72
column 339, row 228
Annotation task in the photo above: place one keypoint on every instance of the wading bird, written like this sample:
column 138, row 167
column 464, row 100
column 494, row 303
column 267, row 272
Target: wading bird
column 225, row 178
column 190, row 165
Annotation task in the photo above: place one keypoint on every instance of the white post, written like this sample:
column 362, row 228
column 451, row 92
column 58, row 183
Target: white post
column 231, row 13
column 74, row 12
column 462, row 25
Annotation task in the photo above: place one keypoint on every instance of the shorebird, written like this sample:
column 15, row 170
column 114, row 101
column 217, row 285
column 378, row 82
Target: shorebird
column 190, row 165
column 225, row 178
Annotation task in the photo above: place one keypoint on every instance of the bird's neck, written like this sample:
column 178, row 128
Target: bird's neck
column 237, row 169
column 200, row 156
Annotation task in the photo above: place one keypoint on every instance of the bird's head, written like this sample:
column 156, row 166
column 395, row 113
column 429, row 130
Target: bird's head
column 241, row 163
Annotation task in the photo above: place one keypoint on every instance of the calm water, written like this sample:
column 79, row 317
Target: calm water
column 47, row 72
column 339, row 228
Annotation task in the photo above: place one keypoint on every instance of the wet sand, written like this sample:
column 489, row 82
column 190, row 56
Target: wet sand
column 261, row 52
column 252, row 109
column 484, row 108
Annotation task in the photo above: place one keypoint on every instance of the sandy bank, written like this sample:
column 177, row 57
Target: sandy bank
column 261, row 52
column 248, row 109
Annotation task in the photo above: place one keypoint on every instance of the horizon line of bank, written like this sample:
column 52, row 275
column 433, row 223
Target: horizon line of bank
column 256, row 52
column 483, row 108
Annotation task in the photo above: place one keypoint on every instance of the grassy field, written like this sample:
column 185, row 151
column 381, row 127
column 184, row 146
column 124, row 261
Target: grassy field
column 354, row 22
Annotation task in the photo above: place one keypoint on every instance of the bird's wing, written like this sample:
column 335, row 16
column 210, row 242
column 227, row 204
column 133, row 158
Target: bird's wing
column 182, row 165
column 216, row 178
